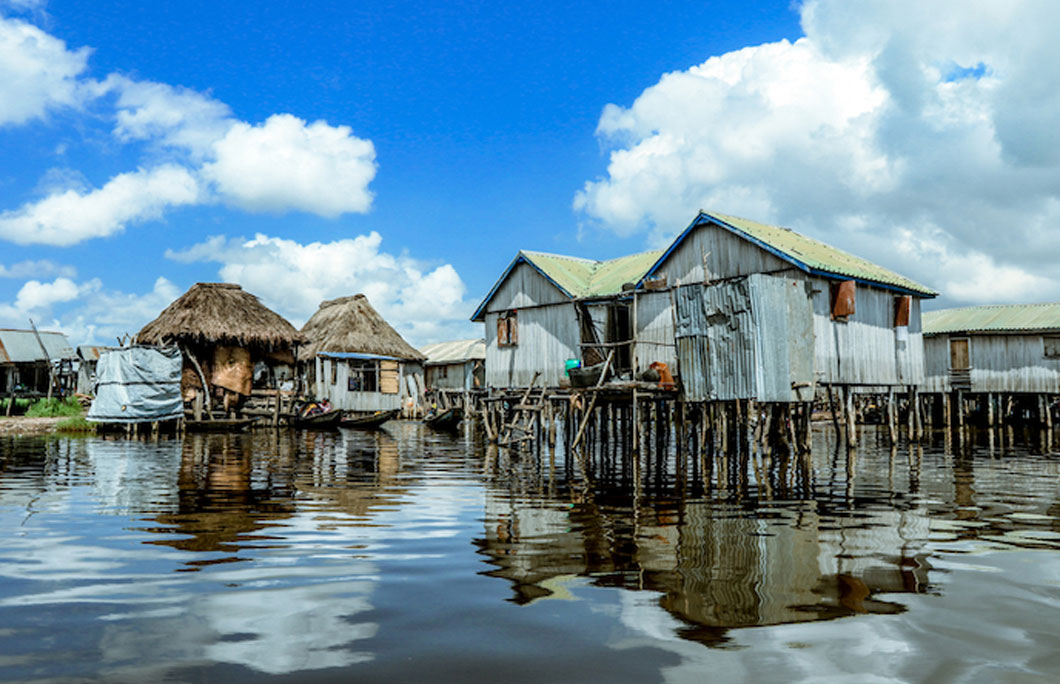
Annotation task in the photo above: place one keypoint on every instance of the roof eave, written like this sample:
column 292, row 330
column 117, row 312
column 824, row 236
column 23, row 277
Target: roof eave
column 480, row 313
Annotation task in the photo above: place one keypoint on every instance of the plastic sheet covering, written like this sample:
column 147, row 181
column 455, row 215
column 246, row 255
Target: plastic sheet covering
column 138, row 385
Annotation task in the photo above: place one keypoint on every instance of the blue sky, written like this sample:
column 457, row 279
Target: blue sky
column 408, row 150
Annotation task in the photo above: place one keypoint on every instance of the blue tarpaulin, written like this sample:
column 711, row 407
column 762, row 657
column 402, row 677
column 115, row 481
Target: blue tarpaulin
column 138, row 385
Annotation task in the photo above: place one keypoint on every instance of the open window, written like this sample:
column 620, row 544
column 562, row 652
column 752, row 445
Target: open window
column 843, row 300
column 903, row 304
column 1052, row 347
column 364, row 375
column 508, row 329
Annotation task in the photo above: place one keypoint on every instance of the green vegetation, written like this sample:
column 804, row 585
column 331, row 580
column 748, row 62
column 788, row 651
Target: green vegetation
column 49, row 408
column 20, row 406
column 77, row 424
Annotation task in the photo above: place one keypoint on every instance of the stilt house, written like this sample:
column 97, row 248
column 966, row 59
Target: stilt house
column 229, row 340
column 457, row 366
column 25, row 357
column 1010, row 349
column 737, row 309
column 762, row 312
column 357, row 362
column 547, row 309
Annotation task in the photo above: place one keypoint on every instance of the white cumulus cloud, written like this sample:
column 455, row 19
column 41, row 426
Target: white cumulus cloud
column 911, row 133
column 424, row 304
column 196, row 150
column 70, row 217
column 36, row 269
column 287, row 164
column 37, row 72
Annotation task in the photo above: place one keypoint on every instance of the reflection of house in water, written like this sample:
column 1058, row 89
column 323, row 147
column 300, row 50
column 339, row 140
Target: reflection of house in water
column 226, row 493
column 716, row 565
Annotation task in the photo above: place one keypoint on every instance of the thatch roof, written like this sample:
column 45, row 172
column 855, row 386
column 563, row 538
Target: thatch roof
column 350, row 324
column 221, row 313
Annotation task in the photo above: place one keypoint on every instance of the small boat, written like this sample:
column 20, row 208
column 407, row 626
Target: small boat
column 219, row 425
column 445, row 420
column 318, row 421
column 369, row 421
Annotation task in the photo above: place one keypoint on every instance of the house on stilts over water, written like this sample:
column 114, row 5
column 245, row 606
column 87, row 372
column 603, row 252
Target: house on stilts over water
column 999, row 362
column 547, row 309
column 230, row 342
column 737, row 310
column 455, row 371
column 358, row 362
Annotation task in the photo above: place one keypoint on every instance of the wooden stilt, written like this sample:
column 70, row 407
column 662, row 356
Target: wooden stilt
column 851, row 417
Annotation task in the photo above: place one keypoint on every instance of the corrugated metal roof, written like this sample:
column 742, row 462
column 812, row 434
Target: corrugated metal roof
column 805, row 252
column 578, row 278
column 588, row 278
column 456, row 351
column 21, row 346
column 90, row 352
column 997, row 317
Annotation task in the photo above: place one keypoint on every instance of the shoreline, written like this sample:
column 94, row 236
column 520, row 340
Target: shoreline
column 23, row 426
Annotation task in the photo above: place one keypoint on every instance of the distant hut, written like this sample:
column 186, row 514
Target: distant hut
column 29, row 360
column 358, row 362
column 228, row 337
column 999, row 357
column 548, row 309
column 459, row 365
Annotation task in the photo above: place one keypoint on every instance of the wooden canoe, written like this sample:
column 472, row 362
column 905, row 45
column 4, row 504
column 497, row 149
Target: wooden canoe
column 219, row 425
column 319, row 421
column 446, row 420
column 369, row 421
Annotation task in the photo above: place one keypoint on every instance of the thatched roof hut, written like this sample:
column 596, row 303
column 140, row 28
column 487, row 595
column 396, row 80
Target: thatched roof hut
column 350, row 324
column 221, row 314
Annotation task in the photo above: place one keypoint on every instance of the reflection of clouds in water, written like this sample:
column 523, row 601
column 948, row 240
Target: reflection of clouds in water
column 130, row 477
column 280, row 631
column 982, row 631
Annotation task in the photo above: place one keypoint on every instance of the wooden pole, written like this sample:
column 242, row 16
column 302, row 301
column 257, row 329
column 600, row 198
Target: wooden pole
column 47, row 359
column 851, row 417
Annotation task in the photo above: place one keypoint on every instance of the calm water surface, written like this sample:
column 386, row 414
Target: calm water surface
column 407, row 555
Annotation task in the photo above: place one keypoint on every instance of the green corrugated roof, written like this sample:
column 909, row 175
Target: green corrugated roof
column 588, row 278
column 819, row 256
column 999, row 318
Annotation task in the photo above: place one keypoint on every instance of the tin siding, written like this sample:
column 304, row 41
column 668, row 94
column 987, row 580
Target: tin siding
column 655, row 331
column 548, row 336
column 865, row 350
column 750, row 338
column 524, row 287
column 1012, row 363
column 341, row 398
column 726, row 254
column 936, row 364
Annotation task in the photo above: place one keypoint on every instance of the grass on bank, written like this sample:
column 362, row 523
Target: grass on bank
column 76, row 425
column 55, row 407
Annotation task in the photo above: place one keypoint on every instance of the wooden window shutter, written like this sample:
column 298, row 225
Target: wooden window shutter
column 388, row 377
column 843, row 300
column 502, row 331
column 513, row 329
column 902, row 305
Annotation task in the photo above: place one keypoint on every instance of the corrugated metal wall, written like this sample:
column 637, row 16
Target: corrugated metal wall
column 749, row 338
column 341, row 398
column 548, row 336
column 936, row 364
column 452, row 376
column 865, row 350
column 726, row 256
column 655, row 330
column 1000, row 363
column 525, row 287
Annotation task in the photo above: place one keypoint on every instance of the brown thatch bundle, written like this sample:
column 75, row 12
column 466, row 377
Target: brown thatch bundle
column 350, row 324
column 222, row 314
